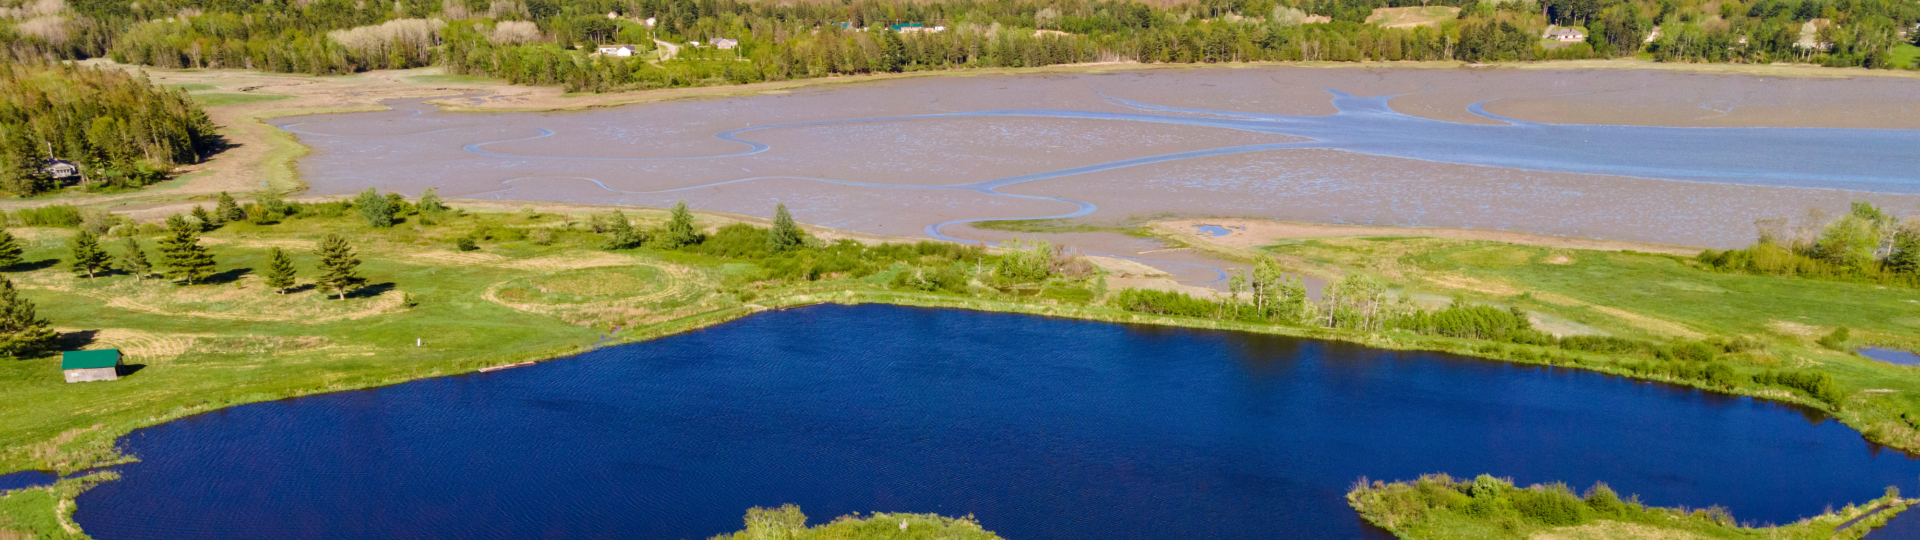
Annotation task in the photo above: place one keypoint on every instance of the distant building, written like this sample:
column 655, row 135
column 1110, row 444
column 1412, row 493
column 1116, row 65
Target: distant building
column 724, row 43
column 613, row 14
column 85, row 366
column 1567, row 34
column 616, row 50
column 1810, row 35
column 60, row 169
column 650, row 22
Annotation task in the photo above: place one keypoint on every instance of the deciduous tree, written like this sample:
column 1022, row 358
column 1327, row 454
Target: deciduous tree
column 375, row 208
column 680, row 231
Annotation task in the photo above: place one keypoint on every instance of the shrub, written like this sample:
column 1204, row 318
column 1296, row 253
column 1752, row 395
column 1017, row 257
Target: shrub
column 1694, row 351
column 1474, row 322
column 1604, row 501
column 1817, row 384
column 465, row 243
column 1553, row 505
column 1837, row 340
column 736, row 241
column 1165, row 303
column 1604, row 344
column 58, row 215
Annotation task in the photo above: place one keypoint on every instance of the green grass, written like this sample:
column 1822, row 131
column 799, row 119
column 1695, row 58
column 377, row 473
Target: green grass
column 220, row 99
column 1906, row 56
column 193, row 87
column 1048, row 226
column 788, row 523
column 1437, row 507
column 206, row 347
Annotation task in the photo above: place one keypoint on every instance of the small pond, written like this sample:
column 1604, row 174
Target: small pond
column 1041, row 428
column 1213, row 230
column 1891, row 356
column 26, row 479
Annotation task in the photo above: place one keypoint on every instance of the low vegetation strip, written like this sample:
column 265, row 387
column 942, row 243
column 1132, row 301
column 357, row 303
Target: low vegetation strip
column 1438, row 507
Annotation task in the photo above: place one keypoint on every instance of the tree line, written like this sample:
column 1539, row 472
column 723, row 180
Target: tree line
column 119, row 129
column 548, row 41
column 1865, row 244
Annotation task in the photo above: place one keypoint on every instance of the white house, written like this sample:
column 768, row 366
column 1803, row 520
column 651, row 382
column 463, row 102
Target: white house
column 1566, row 34
column 724, row 43
column 60, row 169
column 649, row 22
column 616, row 50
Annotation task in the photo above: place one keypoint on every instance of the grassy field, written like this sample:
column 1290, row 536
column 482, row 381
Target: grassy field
column 1906, row 56
column 539, row 287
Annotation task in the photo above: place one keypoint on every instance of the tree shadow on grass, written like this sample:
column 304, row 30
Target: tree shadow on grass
column 371, row 291
column 75, row 340
column 42, row 264
column 226, row 277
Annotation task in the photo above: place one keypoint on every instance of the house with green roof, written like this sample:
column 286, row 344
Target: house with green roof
column 85, row 366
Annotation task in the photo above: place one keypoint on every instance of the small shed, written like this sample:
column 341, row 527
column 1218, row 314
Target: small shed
column 86, row 366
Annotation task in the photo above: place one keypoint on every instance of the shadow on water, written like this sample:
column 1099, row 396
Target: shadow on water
column 1039, row 427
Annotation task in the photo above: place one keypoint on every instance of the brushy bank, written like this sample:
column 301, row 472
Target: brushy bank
column 1438, row 507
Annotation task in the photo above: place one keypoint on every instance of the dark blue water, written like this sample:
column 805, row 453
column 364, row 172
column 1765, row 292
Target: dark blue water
column 1042, row 428
column 26, row 479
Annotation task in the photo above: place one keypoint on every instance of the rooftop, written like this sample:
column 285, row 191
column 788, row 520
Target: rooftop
column 104, row 358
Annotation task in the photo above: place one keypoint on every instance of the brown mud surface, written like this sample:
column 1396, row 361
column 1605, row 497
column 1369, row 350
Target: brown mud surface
column 405, row 151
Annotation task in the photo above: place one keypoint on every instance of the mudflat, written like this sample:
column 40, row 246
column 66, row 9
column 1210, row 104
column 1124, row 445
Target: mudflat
column 1372, row 145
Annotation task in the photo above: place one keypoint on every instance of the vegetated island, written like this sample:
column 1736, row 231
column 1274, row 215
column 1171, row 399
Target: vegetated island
column 1438, row 507
column 295, row 284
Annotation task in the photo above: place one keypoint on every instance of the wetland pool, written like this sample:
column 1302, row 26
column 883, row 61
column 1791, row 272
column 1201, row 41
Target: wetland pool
column 1039, row 427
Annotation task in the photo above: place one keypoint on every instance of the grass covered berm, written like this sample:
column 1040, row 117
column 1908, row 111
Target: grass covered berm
column 1438, row 507
column 788, row 523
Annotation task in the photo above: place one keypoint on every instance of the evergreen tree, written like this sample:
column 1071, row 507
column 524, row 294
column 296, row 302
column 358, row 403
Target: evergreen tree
column 87, row 255
column 9, row 250
column 279, row 270
column 182, row 253
column 430, row 202
column 207, row 221
column 227, row 210
column 133, row 260
column 22, row 332
column 337, row 264
column 680, row 229
column 375, row 208
column 621, row 234
column 786, row 235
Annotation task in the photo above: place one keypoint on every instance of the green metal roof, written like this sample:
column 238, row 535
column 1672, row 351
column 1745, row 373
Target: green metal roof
column 89, row 359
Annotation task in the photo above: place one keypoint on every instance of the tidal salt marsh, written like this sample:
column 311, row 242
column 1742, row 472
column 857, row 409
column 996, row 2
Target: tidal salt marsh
column 1510, row 150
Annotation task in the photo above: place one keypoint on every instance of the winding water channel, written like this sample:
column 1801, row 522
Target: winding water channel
column 1041, row 428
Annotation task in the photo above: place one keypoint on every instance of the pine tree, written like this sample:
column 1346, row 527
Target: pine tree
column 182, row 253
column 279, row 270
column 87, row 255
column 680, row 230
column 228, row 210
column 22, row 332
column 337, row 265
column 786, row 235
column 207, row 221
column 621, row 234
column 9, row 250
column 133, row 260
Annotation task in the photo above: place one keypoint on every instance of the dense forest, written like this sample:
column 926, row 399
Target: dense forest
column 551, row 41
column 118, row 129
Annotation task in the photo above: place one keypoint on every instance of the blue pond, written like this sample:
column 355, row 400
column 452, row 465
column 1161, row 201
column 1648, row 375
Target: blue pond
column 1213, row 230
column 1891, row 356
column 26, row 479
column 1042, row 428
